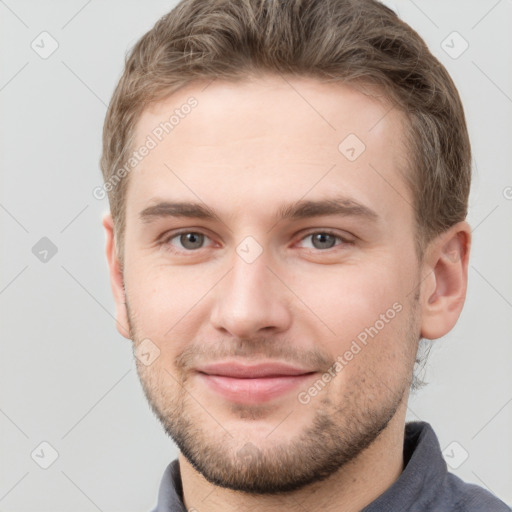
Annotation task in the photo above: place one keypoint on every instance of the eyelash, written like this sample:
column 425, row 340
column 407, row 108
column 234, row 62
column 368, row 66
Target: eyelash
column 165, row 242
column 342, row 240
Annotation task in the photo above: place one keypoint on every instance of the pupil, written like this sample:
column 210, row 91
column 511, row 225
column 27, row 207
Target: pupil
column 191, row 240
column 323, row 241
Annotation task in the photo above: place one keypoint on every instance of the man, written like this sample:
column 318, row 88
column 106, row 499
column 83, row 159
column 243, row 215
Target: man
column 288, row 183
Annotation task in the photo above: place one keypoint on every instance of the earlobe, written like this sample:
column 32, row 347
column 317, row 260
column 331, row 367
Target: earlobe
column 116, row 277
column 444, row 289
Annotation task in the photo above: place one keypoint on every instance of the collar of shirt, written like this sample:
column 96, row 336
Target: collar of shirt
column 424, row 485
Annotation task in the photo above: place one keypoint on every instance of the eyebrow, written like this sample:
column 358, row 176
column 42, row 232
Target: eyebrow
column 182, row 209
column 298, row 210
column 337, row 206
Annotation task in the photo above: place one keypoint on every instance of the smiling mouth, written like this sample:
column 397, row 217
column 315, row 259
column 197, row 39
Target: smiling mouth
column 253, row 383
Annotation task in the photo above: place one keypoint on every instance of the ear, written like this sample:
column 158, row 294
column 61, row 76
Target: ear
column 444, row 287
column 116, row 277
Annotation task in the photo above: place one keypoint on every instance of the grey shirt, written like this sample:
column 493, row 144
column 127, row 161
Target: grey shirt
column 424, row 485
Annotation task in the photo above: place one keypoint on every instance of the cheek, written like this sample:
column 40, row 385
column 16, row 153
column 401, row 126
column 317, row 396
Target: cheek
column 367, row 310
column 379, row 357
column 162, row 310
column 165, row 301
column 351, row 298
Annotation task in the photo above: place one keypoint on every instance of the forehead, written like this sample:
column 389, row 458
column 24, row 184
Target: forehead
column 271, row 138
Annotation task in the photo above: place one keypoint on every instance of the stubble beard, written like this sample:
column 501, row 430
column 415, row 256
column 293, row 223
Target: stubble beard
column 338, row 432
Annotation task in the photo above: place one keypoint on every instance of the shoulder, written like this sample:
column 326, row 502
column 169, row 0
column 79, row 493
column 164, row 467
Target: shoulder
column 460, row 496
column 428, row 484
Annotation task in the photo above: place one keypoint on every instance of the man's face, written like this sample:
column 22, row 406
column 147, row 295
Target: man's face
column 274, row 275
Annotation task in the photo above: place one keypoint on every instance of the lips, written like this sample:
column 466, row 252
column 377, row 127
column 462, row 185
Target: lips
column 237, row 370
column 254, row 383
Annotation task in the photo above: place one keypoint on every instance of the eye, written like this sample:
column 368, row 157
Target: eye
column 322, row 240
column 189, row 240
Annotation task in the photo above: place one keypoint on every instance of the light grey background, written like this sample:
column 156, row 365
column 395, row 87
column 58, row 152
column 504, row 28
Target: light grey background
column 67, row 376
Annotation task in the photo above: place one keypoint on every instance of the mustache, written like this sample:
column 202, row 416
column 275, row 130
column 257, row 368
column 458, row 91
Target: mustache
column 253, row 350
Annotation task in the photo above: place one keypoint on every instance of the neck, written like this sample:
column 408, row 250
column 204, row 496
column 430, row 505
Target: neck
column 350, row 489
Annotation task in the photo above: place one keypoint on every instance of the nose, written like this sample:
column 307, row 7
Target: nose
column 251, row 301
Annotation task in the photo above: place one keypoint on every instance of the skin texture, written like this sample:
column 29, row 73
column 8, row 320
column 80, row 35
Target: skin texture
column 247, row 150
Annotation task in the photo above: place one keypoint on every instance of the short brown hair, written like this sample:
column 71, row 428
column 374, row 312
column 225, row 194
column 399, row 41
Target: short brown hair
column 351, row 41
